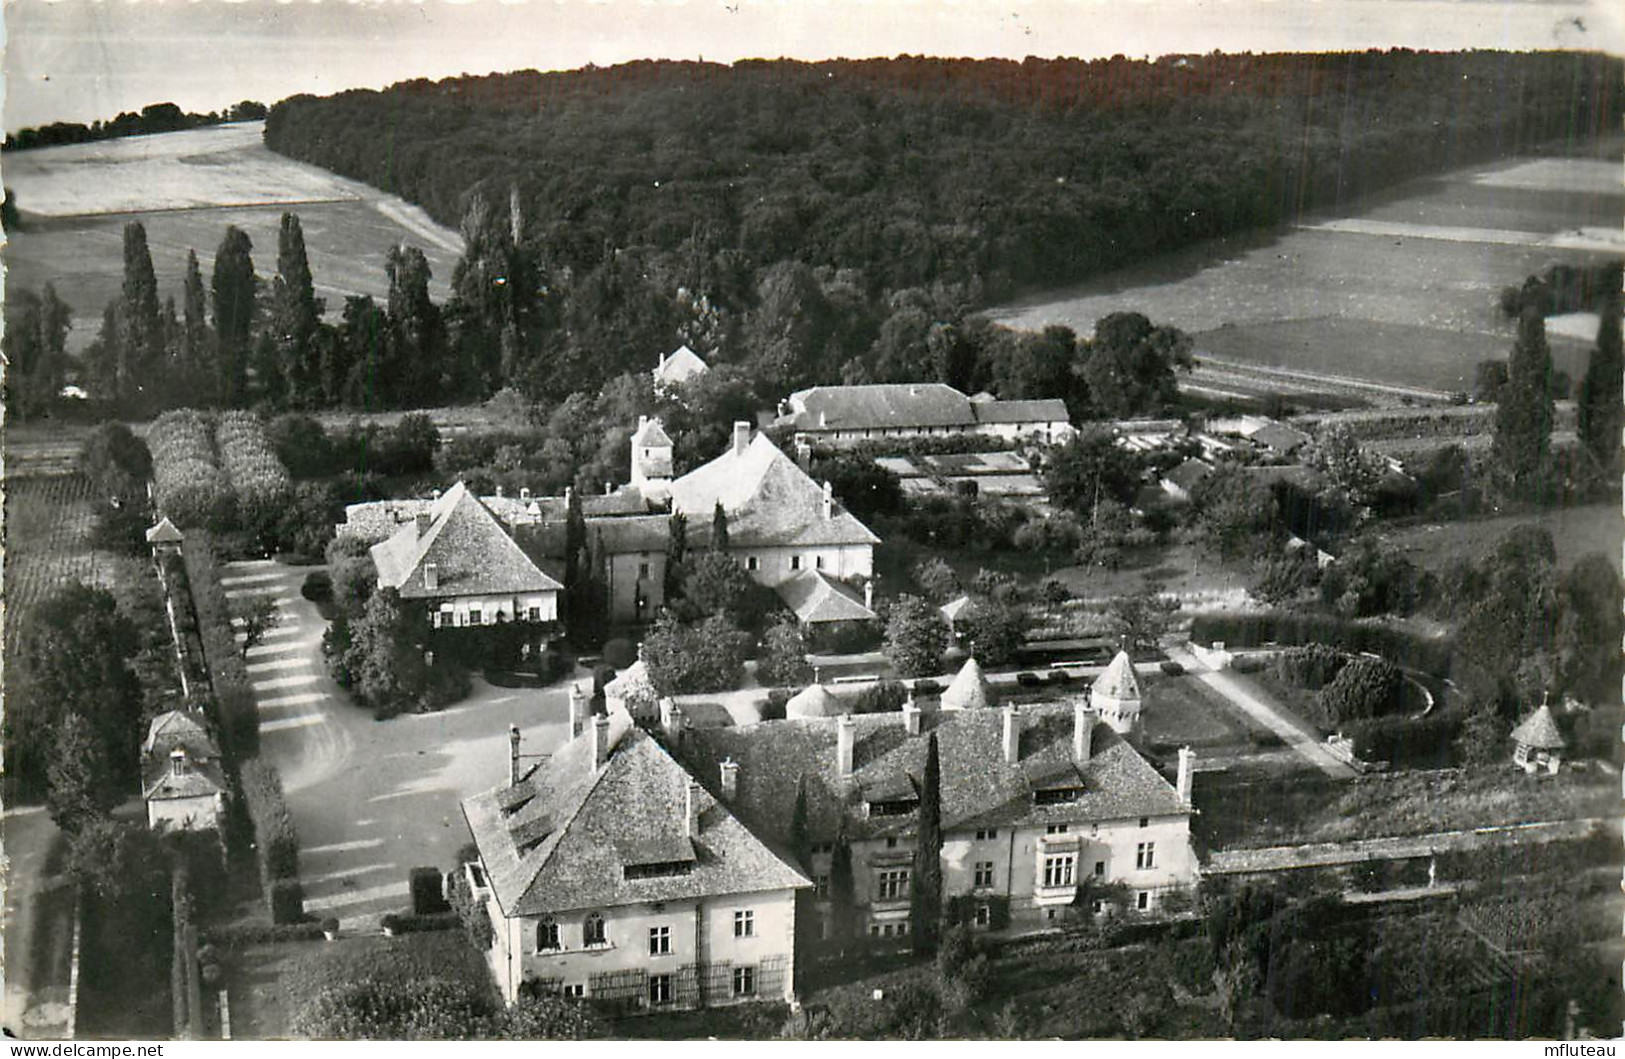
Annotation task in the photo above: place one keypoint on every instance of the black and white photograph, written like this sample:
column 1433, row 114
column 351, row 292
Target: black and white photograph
column 812, row 520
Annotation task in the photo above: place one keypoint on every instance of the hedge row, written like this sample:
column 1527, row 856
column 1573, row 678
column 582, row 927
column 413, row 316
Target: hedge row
column 1254, row 630
column 277, row 842
column 187, row 481
column 239, row 934
column 258, row 480
column 236, row 714
column 412, row 923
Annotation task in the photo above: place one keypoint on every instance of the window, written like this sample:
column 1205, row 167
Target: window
column 547, row 935
column 536, row 614
column 643, row 571
column 818, row 562
column 874, row 930
column 745, row 923
column 891, row 843
column 1097, row 906
column 1055, row 829
column 659, row 941
column 1100, row 869
column 660, row 989
column 1145, row 855
column 744, row 981
column 1058, row 870
column 984, row 916
column 474, row 615
column 897, row 807
column 902, row 929
column 795, row 562
column 592, row 932
column 820, row 885
column 1049, row 913
column 1142, row 900
column 984, row 873
column 1056, row 795
column 1145, row 821
column 576, row 990
column 752, row 563
column 892, row 884
column 823, row 847
column 983, row 836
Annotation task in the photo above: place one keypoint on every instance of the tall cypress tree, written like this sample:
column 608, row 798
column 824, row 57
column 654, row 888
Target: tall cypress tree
column 1600, row 409
column 925, row 899
column 295, row 316
column 719, row 529
column 806, row 900
column 843, row 890
column 416, row 326
column 1523, row 416
column 193, row 354
column 140, row 318
column 676, row 552
column 232, row 288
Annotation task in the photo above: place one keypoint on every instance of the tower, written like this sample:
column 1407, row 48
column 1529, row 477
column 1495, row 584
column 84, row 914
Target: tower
column 1115, row 695
column 651, row 460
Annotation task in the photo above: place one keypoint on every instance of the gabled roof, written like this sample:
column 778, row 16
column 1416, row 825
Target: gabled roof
column 880, row 406
column 1188, row 474
column 650, row 434
column 682, row 365
column 1539, row 730
column 815, row 701
column 200, row 779
column 979, row 787
column 816, row 598
column 1047, row 410
column 471, row 551
column 633, row 686
column 1280, row 437
column 569, row 844
column 955, row 607
column 179, row 728
column 164, row 533
column 769, row 500
column 1118, row 681
column 968, row 690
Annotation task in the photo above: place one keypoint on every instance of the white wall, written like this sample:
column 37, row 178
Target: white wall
column 547, row 604
column 839, row 561
column 179, row 814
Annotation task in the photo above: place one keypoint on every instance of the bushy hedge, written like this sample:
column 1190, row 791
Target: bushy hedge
column 1311, row 666
column 1366, row 688
column 242, row 934
column 277, row 842
column 1408, row 742
column 187, row 482
column 428, row 891
column 287, row 900
column 236, row 714
column 257, row 478
column 1253, row 630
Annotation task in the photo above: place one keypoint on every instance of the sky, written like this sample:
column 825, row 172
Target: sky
column 79, row 60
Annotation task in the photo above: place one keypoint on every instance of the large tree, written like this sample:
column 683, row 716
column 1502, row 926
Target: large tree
column 916, row 636
column 192, row 360
column 1523, row 416
column 35, row 345
column 1129, row 366
column 1090, row 468
column 232, row 291
column 925, row 898
column 295, row 318
column 416, row 326
column 77, row 784
column 1600, row 409
column 141, row 322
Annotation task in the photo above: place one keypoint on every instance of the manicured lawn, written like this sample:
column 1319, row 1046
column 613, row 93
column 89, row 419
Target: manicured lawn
column 270, row 984
column 1181, row 711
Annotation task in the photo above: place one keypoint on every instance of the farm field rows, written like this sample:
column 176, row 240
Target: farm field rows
column 48, row 523
column 1408, row 302
column 186, row 187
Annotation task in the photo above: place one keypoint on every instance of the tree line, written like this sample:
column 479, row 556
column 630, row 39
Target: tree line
column 153, row 118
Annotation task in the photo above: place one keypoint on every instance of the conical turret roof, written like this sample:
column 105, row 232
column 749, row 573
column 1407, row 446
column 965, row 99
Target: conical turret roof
column 814, row 701
column 1539, row 730
column 1118, row 681
column 968, row 690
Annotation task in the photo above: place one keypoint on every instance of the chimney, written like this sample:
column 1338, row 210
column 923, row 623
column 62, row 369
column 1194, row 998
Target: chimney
column 643, row 421
column 524, row 493
column 1012, row 736
column 609, row 487
column 177, row 761
column 692, row 809
column 911, row 716
column 741, row 436
column 804, row 455
column 1083, row 731
column 1187, row 765
column 829, row 500
column 730, row 778
column 671, row 721
column 569, row 495
column 499, row 492
column 843, row 745
column 513, row 754
column 578, row 710
column 431, row 576
column 423, row 521
column 434, row 494
column 600, row 741
column 869, row 599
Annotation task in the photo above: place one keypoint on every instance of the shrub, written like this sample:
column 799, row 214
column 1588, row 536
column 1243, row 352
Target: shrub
column 1054, row 591
column 412, row 923
column 1028, row 680
column 927, row 687
column 287, row 900
column 1367, row 687
column 258, row 480
column 1253, row 630
column 620, row 653
column 330, row 925
column 885, row 697
column 1247, row 664
column 318, row 587
column 428, row 891
column 187, row 484
column 236, row 714
column 471, row 912
column 773, row 708
column 238, row 935
column 1311, row 666
column 1172, row 668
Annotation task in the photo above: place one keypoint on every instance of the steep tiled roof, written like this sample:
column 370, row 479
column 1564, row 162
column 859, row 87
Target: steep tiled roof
column 682, row 365
column 577, row 829
column 472, row 552
column 817, row 598
column 168, row 732
column 200, row 779
column 881, row 406
column 650, row 434
column 769, row 500
column 1050, row 410
column 633, row 687
column 1280, row 437
column 1539, row 730
column 179, row 728
column 815, row 701
column 1118, row 681
column 164, row 533
column 979, row 787
column 968, row 689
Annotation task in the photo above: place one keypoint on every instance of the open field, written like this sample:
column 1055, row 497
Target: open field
column 1403, row 290
column 186, row 187
column 1576, row 531
column 48, row 523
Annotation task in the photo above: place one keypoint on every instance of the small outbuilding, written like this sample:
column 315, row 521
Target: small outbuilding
column 1115, row 695
column 164, row 538
column 1537, row 744
column 968, row 690
column 814, row 701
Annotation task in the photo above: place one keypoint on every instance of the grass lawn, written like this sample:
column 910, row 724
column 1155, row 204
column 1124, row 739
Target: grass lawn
column 1181, row 711
column 270, row 984
column 1576, row 531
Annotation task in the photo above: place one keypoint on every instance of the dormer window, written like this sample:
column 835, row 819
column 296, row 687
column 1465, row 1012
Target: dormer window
column 1057, row 796
column 894, row 807
column 657, row 870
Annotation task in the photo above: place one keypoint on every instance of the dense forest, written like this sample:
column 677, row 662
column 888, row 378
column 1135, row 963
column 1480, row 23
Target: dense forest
column 817, row 218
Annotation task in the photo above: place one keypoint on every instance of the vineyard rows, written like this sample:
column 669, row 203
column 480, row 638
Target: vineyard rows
column 48, row 526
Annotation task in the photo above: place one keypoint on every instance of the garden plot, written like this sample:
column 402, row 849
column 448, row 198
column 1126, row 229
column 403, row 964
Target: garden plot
column 48, row 523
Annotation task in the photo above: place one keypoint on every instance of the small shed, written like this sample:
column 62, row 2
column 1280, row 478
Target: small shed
column 165, row 538
column 1537, row 744
column 814, row 701
column 968, row 690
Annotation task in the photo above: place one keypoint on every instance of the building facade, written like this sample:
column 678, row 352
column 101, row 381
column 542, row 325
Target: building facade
column 846, row 415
